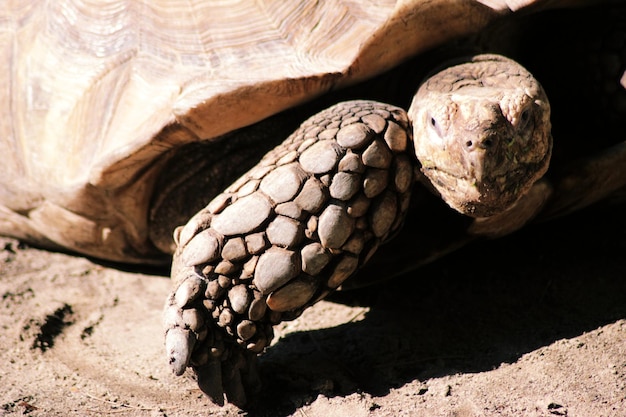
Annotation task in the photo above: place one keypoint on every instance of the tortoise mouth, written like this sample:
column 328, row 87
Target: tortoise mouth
column 490, row 195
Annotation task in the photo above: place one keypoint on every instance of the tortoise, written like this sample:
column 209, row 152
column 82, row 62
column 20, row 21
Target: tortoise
column 174, row 100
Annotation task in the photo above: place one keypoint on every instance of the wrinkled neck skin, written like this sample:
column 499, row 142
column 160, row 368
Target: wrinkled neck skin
column 482, row 134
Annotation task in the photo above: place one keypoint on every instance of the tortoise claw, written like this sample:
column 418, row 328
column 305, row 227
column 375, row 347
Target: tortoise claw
column 179, row 344
column 210, row 380
column 235, row 379
column 179, row 339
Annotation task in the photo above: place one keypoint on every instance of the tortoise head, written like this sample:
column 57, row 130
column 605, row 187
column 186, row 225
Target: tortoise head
column 482, row 133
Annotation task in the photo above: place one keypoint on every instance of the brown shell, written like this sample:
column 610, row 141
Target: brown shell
column 93, row 93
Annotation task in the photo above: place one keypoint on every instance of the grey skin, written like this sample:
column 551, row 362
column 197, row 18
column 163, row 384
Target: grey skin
column 317, row 207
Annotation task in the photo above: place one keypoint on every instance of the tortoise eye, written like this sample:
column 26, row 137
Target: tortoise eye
column 434, row 125
column 524, row 117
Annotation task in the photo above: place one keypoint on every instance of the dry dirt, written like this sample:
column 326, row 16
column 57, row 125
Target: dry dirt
column 530, row 325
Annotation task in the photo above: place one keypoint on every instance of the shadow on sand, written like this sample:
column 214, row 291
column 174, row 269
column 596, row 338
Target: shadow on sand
column 485, row 305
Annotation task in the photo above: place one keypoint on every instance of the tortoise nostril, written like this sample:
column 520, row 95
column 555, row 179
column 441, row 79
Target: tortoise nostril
column 481, row 143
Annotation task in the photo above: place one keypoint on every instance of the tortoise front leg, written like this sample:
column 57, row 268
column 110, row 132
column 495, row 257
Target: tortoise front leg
column 281, row 238
column 587, row 181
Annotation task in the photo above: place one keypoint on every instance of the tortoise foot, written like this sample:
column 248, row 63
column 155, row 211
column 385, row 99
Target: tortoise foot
column 282, row 237
column 223, row 355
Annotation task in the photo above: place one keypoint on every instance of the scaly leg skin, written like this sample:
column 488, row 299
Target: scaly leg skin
column 283, row 237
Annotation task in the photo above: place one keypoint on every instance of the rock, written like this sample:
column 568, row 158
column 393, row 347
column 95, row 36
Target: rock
column 243, row 216
column 275, row 267
column 335, row 226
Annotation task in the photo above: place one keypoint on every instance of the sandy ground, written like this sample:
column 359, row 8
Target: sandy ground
column 530, row 325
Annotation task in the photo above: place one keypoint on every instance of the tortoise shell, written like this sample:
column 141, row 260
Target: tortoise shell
column 98, row 96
